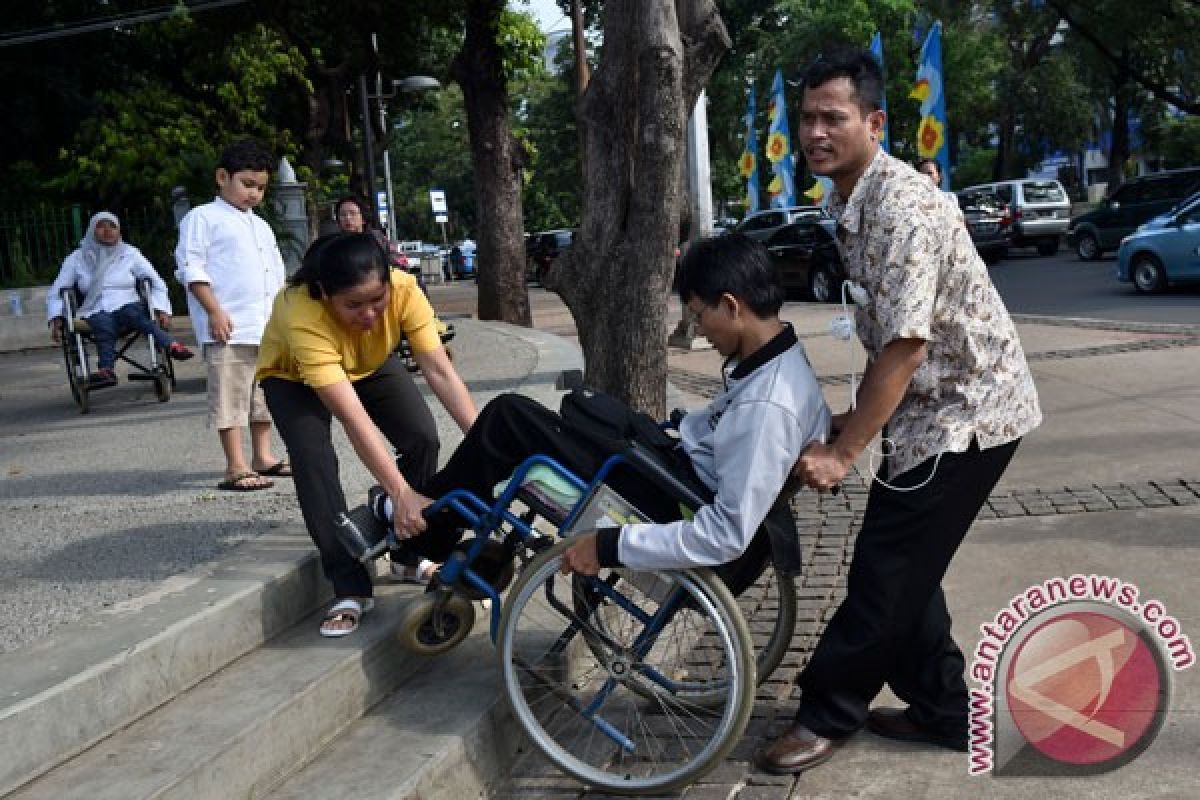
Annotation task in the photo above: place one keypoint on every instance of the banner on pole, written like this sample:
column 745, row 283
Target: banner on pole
column 748, row 163
column 932, row 133
column 782, row 188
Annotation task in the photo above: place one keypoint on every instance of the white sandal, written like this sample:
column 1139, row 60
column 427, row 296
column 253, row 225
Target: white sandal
column 421, row 574
column 348, row 608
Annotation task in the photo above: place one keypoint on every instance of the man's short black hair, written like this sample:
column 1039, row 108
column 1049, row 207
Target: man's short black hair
column 733, row 263
column 245, row 154
column 856, row 64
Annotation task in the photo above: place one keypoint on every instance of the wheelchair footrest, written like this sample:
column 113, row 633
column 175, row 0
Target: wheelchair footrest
column 142, row 376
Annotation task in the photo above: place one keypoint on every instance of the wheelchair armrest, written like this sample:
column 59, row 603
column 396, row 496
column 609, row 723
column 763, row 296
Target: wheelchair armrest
column 647, row 463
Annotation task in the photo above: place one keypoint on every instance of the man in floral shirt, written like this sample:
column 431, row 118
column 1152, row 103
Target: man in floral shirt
column 947, row 384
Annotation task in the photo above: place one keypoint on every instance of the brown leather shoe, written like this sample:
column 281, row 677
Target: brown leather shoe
column 894, row 723
column 795, row 751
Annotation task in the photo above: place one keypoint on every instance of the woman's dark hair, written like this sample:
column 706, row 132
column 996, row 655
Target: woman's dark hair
column 731, row 263
column 368, row 218
column 341, row 261
column 245, row 154
column 933, row 161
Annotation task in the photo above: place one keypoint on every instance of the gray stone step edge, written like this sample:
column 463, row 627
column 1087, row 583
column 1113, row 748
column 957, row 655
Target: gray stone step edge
column 98, row 675
column 445, row 734
column 240, row 730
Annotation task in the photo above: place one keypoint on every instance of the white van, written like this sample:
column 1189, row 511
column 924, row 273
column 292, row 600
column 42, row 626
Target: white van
column 1040, row 209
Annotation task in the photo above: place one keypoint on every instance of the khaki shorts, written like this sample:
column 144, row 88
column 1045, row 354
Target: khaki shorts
column 234, row 399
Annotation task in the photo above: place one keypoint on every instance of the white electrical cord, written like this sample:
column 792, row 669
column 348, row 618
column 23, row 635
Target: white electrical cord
column 842, row 327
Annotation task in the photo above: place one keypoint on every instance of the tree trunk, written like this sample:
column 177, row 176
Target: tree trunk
column 616, row 276
column 1119, row 151
column 497, row 159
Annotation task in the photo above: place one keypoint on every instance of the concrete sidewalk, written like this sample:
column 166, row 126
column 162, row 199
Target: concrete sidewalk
column 1110, row 485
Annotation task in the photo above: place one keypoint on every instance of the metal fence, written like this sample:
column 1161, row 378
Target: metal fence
column 34, row 241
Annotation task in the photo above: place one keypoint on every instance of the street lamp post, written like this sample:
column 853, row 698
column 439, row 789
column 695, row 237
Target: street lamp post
column 413, row 83
column 368, row 144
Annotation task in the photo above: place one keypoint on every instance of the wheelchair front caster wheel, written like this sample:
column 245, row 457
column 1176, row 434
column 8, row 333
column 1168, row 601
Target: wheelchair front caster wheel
column 434, row 624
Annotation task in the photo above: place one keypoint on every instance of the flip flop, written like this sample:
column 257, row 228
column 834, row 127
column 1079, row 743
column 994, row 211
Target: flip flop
column 348, row 608
column 280, row 469
column 234, row 483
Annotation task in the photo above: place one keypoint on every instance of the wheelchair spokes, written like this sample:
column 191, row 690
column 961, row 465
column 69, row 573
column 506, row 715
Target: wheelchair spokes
column 604, row 675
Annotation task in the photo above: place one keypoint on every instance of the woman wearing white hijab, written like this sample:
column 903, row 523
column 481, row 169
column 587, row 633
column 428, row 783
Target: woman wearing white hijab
column 107, row 270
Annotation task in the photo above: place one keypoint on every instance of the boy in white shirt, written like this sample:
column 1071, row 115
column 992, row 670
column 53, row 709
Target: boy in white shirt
column 228, row 259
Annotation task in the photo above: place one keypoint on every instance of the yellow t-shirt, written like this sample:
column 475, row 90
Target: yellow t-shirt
column 305, row 343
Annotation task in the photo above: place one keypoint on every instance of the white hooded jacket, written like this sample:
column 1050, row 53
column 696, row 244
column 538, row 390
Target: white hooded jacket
column 106, row 274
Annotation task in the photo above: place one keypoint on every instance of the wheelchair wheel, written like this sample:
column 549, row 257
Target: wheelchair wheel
column 769, row 607
column 77, row 375
column 436, row 623
column 167, row 365
column 579, row 686
column 162, row 385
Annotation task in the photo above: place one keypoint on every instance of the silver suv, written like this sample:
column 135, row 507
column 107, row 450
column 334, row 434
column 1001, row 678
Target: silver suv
column 1040, row 211
column 761, row 224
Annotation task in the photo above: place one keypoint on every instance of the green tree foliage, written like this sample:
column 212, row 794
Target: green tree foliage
column 430, row 151
column 157, row 132
column 546, row 123
column 1175, row 139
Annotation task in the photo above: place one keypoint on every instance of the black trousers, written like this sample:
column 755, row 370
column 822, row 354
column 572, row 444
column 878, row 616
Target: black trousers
column 395, row 405
column 511, row 428
column 508, row 430
column 893, row 627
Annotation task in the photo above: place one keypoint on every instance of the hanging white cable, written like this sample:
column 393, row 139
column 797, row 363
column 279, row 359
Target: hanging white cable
column 842, row 327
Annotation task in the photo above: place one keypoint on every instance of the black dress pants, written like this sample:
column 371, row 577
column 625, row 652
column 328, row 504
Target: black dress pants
column 893, row 627
column 395, row 405
column 508, row 430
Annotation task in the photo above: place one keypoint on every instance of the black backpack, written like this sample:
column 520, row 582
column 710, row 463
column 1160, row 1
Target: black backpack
column 610, row 425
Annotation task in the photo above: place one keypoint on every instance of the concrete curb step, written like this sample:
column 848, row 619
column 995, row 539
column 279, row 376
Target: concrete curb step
column 238, row 732
column 445, row 734
column 95, row 676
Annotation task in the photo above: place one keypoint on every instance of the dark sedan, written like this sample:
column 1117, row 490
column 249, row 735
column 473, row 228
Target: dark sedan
column 808, row 259
column 988, row 221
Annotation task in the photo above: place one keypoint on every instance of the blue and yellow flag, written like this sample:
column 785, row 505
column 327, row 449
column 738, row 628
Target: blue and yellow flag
column 748, row 163
column 818, row 193
column 782, row 188
column 877, row 51
column 932, row 133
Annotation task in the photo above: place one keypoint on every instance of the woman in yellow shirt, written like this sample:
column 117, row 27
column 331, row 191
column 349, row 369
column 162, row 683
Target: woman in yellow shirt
column 328, row 352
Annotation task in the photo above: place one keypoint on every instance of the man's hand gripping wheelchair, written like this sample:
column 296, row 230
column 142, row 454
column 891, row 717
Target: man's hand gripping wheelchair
column 633, row 681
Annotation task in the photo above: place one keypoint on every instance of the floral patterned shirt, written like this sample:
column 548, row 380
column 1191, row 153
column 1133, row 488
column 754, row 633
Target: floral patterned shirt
column 906, row 244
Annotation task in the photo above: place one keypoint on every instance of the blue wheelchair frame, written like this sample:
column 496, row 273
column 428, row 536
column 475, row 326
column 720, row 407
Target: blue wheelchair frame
column 485, row 518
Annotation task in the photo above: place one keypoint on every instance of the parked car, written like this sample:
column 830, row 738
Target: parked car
column 1164, row 251
column 808, row 259
column 988, row 221
column 547, row 247
column 1134, row 202
column 762, row 224
column 1040, row 209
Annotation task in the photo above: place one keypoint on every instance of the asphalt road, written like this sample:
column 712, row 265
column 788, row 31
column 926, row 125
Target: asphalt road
column 1063, row 286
